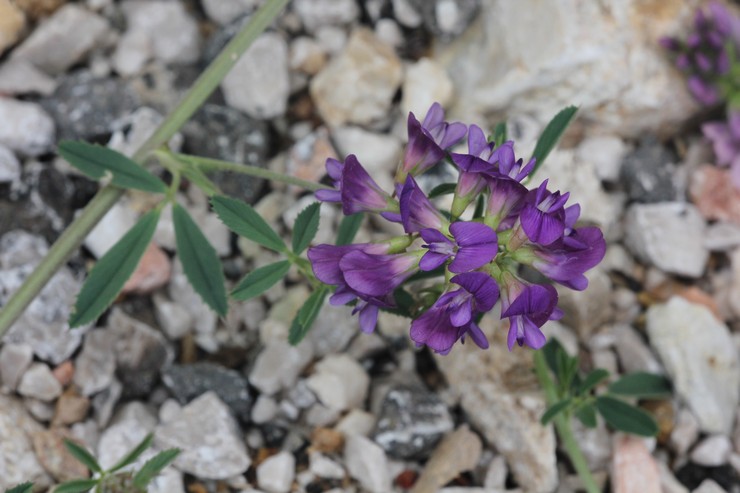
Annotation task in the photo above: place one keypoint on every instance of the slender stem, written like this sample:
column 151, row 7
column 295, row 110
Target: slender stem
column 72, row 237
column 208, row 164
column 563, row 427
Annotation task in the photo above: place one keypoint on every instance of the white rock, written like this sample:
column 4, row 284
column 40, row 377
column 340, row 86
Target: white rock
column 116, row 223
column 722, row 236
column 367, row 463
column 426, row 82
column 174, row 320
column 317, row 13
column 19, row 463
column 685, row 432
column 698, row 354
column 339, row 382
column 39, row 382
column 332, row 39
column 668, row 481
column 212, row 445
column 278, row 366
column 251, row 88
column 389, row 32
column 25, row 127
column 324, row 467
column 713, row 451
column 10, row 167
column 170, row 480
column 225, row 12
column 572, row 52
column 406, row 14
column 379, row 154
column 734, row 294
column 264, row 409
column 276, row 473
column 182, row 293
column 634, row 354
column 654, row 230
column 306, row 55
column 14, row 361
column 496, row 473
column 171, row 33
column 22, row 77
column 709, row 486
column 94, row 367
column 358, row 85
column 604, row 154
column 357, row 422
column 131, row 424
column 585, row 310
column 63, row 39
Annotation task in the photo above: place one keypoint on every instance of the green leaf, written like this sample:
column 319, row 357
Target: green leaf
column 480, row 205
column 132, row 456
column 244, row 221
column 95, row 161
column 592, row 380
column 305, row 227
column 198, row 178
column 260, row 280
column 154, row 466
column 306, row 315
column 586, row 414
column 643, row 385
column 443, row 189
column 554, row 410
column 109, row 275
column 499, row 133
column 348, row 228
column 551, row 351
column 552, row 133
column 199, row 261
column 626, row 417
column 76, row 486
column 81, row 454
column 21, row 488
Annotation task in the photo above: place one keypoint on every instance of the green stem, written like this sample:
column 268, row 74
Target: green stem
column 208, row 164
column 72, row 237
column 563, row 427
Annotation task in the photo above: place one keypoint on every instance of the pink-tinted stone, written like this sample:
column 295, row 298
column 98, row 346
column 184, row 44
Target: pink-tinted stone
column 714, row 194
column 634, row 470
column 64, row 373
column 153, row 272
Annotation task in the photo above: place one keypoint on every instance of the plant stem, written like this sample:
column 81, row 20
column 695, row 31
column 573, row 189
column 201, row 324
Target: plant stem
column 563, row 427
column 208, row 164
column 72, row 237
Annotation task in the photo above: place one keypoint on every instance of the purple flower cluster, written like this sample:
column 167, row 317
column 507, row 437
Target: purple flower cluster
column 705, row 56
column 725, row 138
column 478, row 258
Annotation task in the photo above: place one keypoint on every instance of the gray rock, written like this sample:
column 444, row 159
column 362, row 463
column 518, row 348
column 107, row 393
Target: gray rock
column 14, row 361
column 131, row 424
column 406, row 13
column 241, row 139
column 654, row 230
column 333, row 329
column 226, row 12
column 278, row 365
column 648, row 174
column 317, row 13
column 19, row 463
column 585, row 310
column 411, row 422
column 10, row 167
column 211, row 442
column 94, row 367
column 722, row 236
column 339, row 382
column 685, row 432
column 63, row 39
column 605, row 153
column 367, row 463
column 447, row 18
column 506, row 412
column 700, row 358
column 713, row 451
column 25, row 127
column 38, row 382
column 633, row 352
column 276, row 473
column 85, row 106
column 105, row 401
column 258, row 92
column 264, row 410
column 141, row 353
column 358, row 85
column 43, row 325
column 187, row 382
column 22, row 77
column 116, row 222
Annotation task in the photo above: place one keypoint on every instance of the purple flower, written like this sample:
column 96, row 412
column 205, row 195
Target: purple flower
column 417, row 212
column 725, row 138
column 475, row 164
column 543, row 215
column 566, row 260
column 377, row 275
column 452, row 316
column 474, row 246
column 505, row 201
column 355, row 189
column 429, row 140
column 528, row 307
column 703, row 91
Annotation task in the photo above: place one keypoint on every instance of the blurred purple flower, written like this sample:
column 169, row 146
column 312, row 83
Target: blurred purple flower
column 417, row 212
column 725, row 139
column 474, row 246
column 452, row 316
